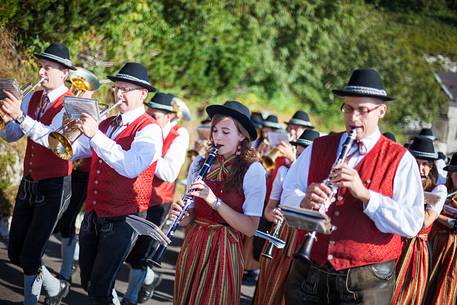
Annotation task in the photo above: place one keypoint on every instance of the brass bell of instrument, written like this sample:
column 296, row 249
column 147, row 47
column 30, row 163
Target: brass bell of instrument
column 268, row 160
column 82, row 80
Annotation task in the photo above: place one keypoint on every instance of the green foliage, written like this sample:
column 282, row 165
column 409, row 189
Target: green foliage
column 288, row 54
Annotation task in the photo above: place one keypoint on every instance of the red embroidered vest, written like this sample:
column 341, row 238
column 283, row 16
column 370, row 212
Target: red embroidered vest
column 163, row 191
column 111, row 194
column 39, row 162
column 356, row 241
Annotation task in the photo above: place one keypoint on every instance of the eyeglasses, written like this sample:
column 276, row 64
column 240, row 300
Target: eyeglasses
column 124, row 89
column 346, row 109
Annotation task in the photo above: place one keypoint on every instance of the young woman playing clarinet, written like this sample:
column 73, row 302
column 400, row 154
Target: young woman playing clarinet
column 442, row 288
column 414, row 263
column 228, row 204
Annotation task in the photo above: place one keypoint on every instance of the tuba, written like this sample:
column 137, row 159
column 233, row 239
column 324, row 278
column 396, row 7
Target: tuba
column 82, row 80
column 181, row 109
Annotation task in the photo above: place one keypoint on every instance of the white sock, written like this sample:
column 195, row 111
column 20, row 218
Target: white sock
column 50, row 283
column 76, row 254
column 149, row 276
column 115, row 298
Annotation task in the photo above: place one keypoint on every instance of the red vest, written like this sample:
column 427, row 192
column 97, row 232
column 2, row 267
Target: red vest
column 39, row 162
column 163, row 191
column 111, row 194
column 356, row 241
column 234, row 199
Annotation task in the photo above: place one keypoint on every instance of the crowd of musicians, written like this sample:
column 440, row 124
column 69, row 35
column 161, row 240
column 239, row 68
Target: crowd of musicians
column 392, row 207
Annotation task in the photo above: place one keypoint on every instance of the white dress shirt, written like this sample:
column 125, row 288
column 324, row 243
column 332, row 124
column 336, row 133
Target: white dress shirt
column 276, row 188
column 403, row 214
column 169, row 166
column 33, row 129
column 254, row 186
column 144, row 150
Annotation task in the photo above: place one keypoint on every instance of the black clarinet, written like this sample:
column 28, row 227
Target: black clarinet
column 188, row 201
column 305, row 250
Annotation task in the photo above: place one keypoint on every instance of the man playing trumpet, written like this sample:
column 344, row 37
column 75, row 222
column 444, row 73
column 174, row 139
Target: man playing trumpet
column 124, row 150
column 45, row 188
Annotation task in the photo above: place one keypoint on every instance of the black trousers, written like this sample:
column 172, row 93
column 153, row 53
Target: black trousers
column 104, row 244
column 310, row 284
column 66, row 224
column 39, row 204
column 145, row 245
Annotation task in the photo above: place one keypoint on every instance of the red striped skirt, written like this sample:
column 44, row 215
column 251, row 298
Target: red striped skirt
column 273, row 272
column 412, row 272
column 210, row 266
column 443, row 279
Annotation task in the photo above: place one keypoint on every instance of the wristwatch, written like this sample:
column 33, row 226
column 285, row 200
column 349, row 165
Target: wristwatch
column 20, row 118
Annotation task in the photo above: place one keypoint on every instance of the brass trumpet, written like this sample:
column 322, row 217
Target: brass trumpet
column 276, row 232
column 25, row 91
column 268, row 161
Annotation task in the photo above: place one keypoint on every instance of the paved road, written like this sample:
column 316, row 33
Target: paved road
column 11, row 280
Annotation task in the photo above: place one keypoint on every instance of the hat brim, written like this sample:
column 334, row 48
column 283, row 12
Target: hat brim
column 344, row 93
column 241, row 118
column 424, row 155
column 450, row 168
column 271, row 125
column 300, row 123
column 55, row 59
column 127, row 80
column 158, row 106
column 305, row 143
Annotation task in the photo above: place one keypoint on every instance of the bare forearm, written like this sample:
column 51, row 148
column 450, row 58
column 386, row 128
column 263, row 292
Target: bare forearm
column 243, row 223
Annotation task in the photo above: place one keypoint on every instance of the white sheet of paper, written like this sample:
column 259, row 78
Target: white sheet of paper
column 75, row 106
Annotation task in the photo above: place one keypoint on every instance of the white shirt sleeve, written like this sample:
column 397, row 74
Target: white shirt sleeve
column 441, row 191
column 169, row 166
column 276, row 188
column 144, row 150
column 13, row 131
column 403, row 214
column 296, row 181
column 254, row 188
column 192, row 173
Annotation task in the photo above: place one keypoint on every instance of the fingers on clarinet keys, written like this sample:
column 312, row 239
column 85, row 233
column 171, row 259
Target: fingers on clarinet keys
column 175, row 210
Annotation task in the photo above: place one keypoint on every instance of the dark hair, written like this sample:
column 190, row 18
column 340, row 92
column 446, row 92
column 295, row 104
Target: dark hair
column 247, row 156
column 431, row 181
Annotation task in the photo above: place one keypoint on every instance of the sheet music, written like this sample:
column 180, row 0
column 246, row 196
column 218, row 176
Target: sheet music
column 75, row 106
column 276, row 137
column 10, row 85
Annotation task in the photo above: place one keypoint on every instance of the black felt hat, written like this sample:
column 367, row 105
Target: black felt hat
column 306, row 138
column 134, row 73
column 162, row 101
column 452, row 166
column 272, row 122
column 365, row 82
column 300, row 118
column 58, row 53
column 236, row 110
column 390, row 136
column 427, row 133
column 422, row 148
column 257, row 119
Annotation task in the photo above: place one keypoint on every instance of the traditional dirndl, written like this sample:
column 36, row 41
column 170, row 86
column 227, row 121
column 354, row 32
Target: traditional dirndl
column 442, row 288
column 273, row 272
column 412, row 270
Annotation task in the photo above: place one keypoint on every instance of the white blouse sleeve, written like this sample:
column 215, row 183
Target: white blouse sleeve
column 276, row 188
column 254, row 188
column 441, row 191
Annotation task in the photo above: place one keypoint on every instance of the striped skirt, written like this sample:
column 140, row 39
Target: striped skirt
column 412, row 272
column 210, row 266
column 273, row 272
column 443, row 279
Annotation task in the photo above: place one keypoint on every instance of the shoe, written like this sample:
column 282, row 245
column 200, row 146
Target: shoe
column 250, row 277
column 55, row 300
column 147, row 291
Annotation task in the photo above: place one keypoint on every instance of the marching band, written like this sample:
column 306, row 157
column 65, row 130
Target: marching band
column 346, row 218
